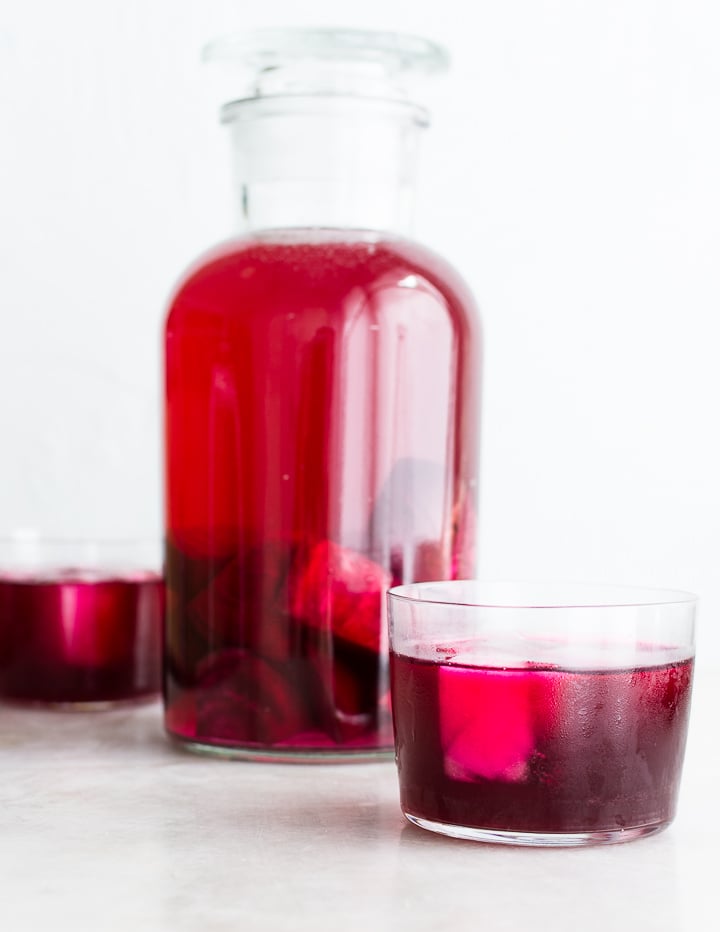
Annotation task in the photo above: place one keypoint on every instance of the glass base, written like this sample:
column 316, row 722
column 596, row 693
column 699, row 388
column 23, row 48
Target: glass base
column 538, row 839
column 287, row 755
column 81, row 705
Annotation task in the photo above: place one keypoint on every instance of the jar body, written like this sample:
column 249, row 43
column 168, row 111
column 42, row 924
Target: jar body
column 322, row 392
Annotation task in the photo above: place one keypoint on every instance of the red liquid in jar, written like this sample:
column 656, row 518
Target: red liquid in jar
column 75, row 636
column 540, row 749
column 321, row 446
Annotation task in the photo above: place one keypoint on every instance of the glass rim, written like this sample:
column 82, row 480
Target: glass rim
column 626, row 596
column 31, row 552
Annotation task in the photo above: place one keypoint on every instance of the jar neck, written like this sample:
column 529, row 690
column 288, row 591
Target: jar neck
column 325, row 161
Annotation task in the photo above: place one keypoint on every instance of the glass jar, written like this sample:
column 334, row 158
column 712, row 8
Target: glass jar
column 322, row 388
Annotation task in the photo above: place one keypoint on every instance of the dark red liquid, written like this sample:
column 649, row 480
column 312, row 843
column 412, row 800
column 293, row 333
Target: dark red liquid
column 76, row 637
column 541, row 750
column 321, row 446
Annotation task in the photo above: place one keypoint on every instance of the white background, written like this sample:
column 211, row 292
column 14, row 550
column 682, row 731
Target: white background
column 571, row 174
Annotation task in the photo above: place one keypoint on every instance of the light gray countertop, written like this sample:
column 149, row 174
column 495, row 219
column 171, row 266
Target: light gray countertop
column 105, row 826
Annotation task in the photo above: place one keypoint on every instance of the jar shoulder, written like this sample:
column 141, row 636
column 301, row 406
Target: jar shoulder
column 303, row 267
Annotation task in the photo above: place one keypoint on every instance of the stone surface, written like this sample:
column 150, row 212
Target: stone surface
column 106, row 826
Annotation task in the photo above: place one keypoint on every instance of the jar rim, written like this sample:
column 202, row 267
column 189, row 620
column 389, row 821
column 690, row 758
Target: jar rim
column 343, row 63
column 273, row 47
column 322, row 104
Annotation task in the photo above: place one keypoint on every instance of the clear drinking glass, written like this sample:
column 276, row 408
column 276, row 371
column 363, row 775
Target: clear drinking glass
column 539, row 714
column 80, row 621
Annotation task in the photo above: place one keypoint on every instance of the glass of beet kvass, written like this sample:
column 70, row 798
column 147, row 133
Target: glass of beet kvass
column 538, row 714
column 80, row 621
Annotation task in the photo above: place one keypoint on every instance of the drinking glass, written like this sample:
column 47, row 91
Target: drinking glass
column 540, row 714
column 80, row 621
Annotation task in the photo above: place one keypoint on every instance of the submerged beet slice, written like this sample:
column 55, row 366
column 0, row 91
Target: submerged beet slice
column 486, row 724
column 350, row 690
column 245, row 604
column 347, row 703
column 190, row 568
column 244, row 699
column 342, row 591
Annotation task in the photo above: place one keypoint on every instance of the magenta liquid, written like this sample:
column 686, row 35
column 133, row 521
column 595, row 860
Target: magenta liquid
column 540, row 749
column 76, row 636
column 321, row 446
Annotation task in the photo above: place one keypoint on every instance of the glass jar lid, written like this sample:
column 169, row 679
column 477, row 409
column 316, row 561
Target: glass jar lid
column 328, row 62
